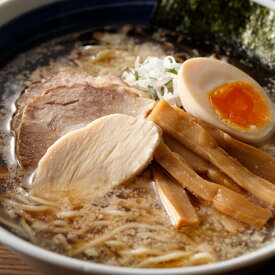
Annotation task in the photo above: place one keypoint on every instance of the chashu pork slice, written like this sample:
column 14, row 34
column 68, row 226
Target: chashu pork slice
column 90, row 161
column 66, row 78
column 65, row 108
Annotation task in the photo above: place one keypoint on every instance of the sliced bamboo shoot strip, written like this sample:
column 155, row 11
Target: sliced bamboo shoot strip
column 227, row 201
column 187, row 131
column 230, row 224
column 252, row 158
column 175, row 200
column 175, row 165
column 199, row 164
column 223, row 199
column 218, row 177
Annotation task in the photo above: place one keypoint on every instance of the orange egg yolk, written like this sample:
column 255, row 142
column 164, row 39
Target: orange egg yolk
column 240, row 105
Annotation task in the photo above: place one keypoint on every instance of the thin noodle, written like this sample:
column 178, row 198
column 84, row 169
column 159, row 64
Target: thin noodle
column 202, row 257
column 141, row 251
column 164, row 258
column 31, row 208
column 13, row 226
column 67, row 214
column 115, row 243
column 117, row 212
column 59, row 238
column 42, row 201
column 154, row 236
column 111, row 234
column 104, row 223
column 60, row 223
column 28, row 230
column 59, row 229
column 25, row 195
column 21, row 198
column 27, row 216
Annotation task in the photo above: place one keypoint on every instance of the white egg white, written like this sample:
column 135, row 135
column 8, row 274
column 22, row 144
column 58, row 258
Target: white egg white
column 198, row 76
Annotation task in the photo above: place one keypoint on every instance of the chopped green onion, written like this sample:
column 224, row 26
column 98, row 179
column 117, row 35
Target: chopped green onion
column 153, row 78
column 135, row 73
column 173, row 71
column 162, row 90
column 168, row 82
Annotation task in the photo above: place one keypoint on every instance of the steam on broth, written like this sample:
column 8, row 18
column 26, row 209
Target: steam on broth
column 133, row 224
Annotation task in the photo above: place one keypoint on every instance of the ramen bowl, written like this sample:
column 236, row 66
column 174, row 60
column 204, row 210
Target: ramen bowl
column 25, row 26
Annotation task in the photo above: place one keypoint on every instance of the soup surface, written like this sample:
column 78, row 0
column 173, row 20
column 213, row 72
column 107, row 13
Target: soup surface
column 127, row 226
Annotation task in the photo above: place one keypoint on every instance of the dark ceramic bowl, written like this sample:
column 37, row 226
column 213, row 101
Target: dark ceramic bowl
column 25, row 24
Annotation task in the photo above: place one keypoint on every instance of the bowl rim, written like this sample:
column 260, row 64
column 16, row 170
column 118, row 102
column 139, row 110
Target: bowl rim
column 13, row 10
column 18, row 244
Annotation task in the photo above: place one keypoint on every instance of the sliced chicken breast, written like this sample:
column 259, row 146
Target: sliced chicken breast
column 88, row 162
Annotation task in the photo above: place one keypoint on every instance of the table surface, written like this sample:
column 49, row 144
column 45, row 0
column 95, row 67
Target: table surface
column 12, row 265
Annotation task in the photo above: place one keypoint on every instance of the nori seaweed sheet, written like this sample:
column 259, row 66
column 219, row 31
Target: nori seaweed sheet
column 244, row 25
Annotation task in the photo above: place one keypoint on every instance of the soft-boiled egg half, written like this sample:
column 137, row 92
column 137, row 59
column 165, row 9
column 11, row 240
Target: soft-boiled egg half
column 225, row 96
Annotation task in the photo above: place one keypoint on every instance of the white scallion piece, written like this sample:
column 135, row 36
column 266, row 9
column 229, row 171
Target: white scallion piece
column 156, row 76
